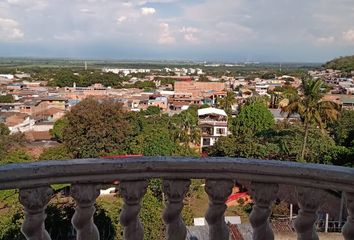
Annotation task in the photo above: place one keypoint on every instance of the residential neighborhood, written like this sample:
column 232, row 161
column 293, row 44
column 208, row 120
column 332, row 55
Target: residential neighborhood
column 35, row 106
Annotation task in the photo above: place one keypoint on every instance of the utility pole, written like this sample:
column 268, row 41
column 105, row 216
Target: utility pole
column 85, row 65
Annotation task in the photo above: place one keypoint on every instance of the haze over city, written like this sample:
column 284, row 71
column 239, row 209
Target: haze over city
column 236, row 30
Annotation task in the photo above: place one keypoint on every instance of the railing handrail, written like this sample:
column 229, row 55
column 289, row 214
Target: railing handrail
column 99, row 170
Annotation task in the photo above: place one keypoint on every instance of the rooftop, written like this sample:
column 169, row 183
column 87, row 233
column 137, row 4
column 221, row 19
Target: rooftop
column 207, row 111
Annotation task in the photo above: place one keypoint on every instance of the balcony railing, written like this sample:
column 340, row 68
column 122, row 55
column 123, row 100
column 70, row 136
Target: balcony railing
column 212, row 122
column 86, row 175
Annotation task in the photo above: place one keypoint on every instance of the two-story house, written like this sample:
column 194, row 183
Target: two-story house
column 213, row 124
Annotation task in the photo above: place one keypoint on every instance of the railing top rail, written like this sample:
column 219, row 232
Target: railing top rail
column 103, row 170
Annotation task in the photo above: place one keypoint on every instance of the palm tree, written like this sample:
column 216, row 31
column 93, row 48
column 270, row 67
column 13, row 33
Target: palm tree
column 227, row 102
column 311, row 108
column 185, row 127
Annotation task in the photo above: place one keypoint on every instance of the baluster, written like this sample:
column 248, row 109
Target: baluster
column 35, row 200
column 348, row 228
column 175, row 191
column 132, row 192
column 85, row 197
column 309, row 200
column 263, row 195
column 218, row 192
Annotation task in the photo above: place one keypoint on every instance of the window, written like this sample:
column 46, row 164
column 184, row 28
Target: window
column 220, row 131
column 206, row 141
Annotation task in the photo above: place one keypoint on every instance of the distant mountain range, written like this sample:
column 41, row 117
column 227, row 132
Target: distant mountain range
column 345, row 64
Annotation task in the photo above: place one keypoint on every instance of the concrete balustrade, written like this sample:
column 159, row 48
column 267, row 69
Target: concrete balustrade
column 86, row 175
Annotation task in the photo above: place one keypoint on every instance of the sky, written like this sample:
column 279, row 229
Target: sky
column 211, row 30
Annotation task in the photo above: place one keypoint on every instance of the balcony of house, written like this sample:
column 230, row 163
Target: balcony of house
column 212, row 122
column 312, row 183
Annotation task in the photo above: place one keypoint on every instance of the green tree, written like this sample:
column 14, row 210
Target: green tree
column 345, row 64
column 184, row 127
column 312, row 109
column 340, row 155
column 10, row 146
column 247, row 147
column 153, row 142
column 7, row 98
column 227, row 102
column 95, row 128
column 289, row 140
column 16, row 156
column 252, row 118
column 343, row 129
column 152, row 110
column 59, row 152
column 160, row 135
column 4, row 130
column 58, row 129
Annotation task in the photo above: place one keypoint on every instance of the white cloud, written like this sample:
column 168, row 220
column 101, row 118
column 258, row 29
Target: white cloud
column 148, row 11
column 189, row 34
column 143, row 2
column 189, row 30
column 29, row 4
column 121, row 19
column 325, row 40
column 86, row 10
column 165, row 35
column 349, row 35
column 190, row 37
column 10, row 30
column 68, row 37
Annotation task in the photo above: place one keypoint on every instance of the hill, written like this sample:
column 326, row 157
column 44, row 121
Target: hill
column 345, row 64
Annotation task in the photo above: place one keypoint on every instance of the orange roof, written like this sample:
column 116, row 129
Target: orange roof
column 37, row 136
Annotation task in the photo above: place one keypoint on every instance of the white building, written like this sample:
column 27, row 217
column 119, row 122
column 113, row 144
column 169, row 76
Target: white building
column 213, row 124
column 262, row 88
column 7, row 76
column 25, row 126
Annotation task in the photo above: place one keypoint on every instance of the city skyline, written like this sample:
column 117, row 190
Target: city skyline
column 236, row 30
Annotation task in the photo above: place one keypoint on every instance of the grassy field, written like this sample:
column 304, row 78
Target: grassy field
column 199, row 205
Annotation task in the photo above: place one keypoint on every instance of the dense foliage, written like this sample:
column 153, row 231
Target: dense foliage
column 101, row 128
column 95, row 128
column 343, row 129
column 280, row 142
column 227, row 102
column 253, row 117
column 312, row 109
column 58, row 128
column 345, row 64
column 7, row 98
column 59, row 152
column 98, row 127
column 67, row 78
column 11, row 147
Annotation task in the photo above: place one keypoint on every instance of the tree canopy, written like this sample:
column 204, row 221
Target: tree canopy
column 58, row 129
column 343, row 129
column 280, row 143
column 345, row 64
column 252, row 118
column 7, row 98
column 227, row 102
column 11, row 146
column 95, row 128
column 311, row 108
